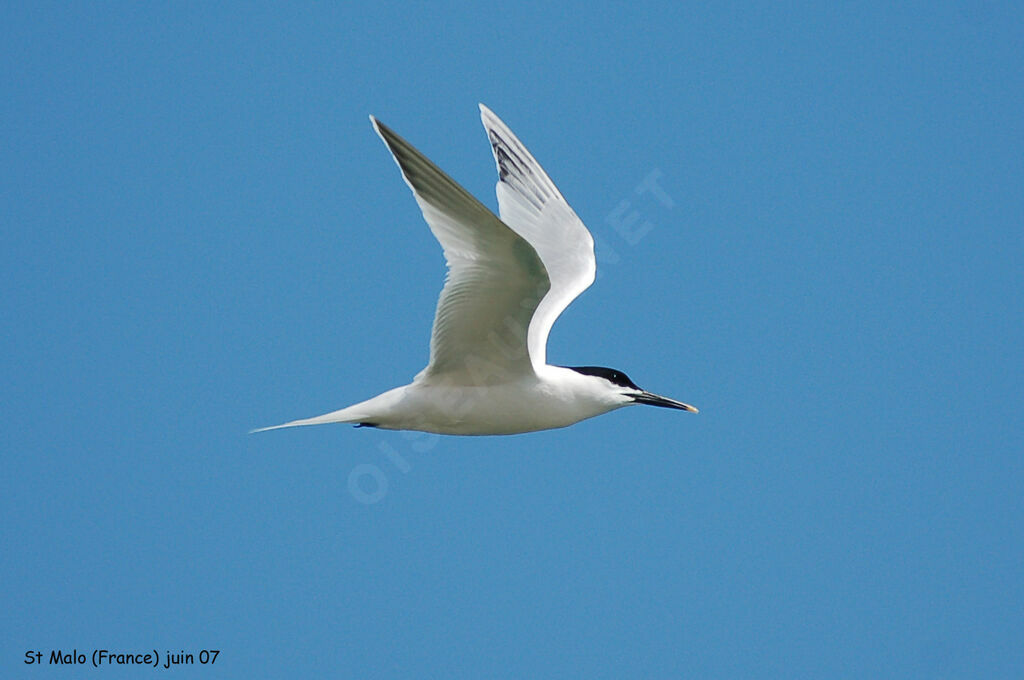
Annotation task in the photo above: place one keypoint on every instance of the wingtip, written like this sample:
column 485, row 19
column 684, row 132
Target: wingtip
column 382, row 130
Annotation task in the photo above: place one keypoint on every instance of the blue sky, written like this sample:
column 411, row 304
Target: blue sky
column 202, row 234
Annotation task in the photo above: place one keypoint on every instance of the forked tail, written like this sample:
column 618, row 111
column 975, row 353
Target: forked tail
column 345, row 415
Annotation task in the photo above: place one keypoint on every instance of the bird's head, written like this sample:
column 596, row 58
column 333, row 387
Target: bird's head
column 624, row 391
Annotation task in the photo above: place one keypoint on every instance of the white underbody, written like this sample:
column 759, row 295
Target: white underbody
column 509, row 278
column 557, row 397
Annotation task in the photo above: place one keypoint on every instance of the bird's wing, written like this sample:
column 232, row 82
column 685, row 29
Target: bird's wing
column 530, row 203
column 495, row 279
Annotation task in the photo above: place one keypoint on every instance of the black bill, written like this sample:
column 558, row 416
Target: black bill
column 652, row 399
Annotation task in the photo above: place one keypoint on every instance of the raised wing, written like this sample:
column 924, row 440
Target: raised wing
column 495, row 279
column 530, row 203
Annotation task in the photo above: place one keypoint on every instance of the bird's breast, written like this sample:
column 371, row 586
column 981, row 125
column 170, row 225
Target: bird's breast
column 510, row 408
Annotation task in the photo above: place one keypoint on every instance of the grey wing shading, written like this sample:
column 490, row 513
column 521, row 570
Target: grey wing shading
column 531, row 204
column 495, row 279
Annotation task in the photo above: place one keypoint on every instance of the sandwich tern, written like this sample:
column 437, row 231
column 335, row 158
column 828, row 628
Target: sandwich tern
column 509, row 278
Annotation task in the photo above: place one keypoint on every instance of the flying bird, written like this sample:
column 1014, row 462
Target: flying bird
column 509, row 277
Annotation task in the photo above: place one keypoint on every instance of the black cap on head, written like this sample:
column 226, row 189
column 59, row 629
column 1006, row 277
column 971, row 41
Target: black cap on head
column 610, row 374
